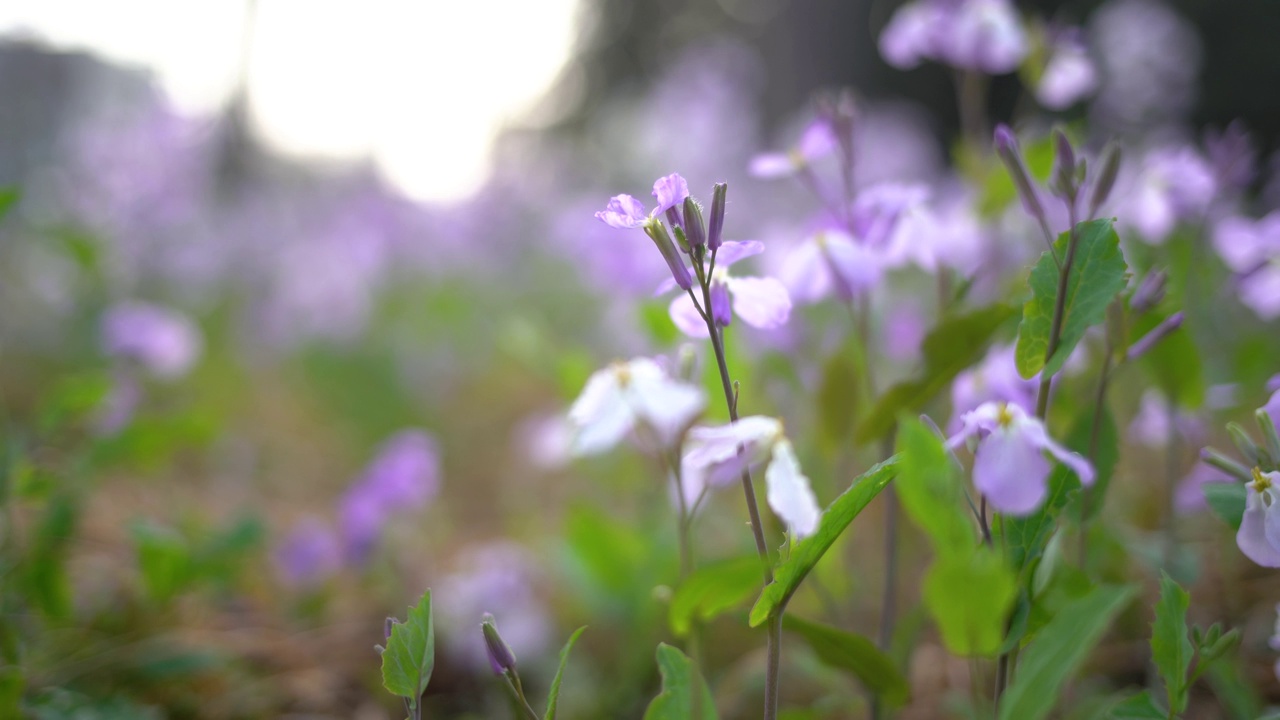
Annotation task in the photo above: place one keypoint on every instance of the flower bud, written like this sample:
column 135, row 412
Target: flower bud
column 1245, row 444
column 1150, row 292
column 657, row 232
column 682, row 240
column 1155, row 335
column 695, row 230
column 716, row 228
column 673, row 217
column 500, row 655
column 1225, row 464
column 1106, row 179
column 1064, row 170
column 1221, row 646
column 386, row 627
column 1007, row 148
column 1269, row 436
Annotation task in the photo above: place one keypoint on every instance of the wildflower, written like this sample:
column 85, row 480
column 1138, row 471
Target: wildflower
column 1188, row 498
column 619, row 397
column 163, row 341
column 817, row 141
column 981, row 35
column 403, row 476
column 1174, row 184
column 995, row 379
column 715, row 456
column 1252, row 249
column 625, row 212
column 501, row 578
column 830, row 261
column 500, row 656
column 1259, row 534
column 1009, row 466
column 761, row 302
column 1070, row 74
column 1154, row 427
column 310, row 554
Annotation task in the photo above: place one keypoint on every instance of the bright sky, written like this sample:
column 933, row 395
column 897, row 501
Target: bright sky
column 422, row 86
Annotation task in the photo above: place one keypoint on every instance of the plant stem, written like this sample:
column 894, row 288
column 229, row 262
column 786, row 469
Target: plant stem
column 514, row 679
column 773, row 646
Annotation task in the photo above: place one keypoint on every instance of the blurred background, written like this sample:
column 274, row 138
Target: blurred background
column 293, row 296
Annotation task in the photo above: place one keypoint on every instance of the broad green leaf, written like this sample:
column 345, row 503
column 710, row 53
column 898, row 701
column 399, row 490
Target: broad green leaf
column 1170, row 647
column 411, row 653
column 855, row 653
column 680, row 683
column 1227, row 500
column 1138, row 707
column 806, row 553
column 1058, row 651
column 1105, row 456
column 553, row 698
column 1098, row 272
column 1174, row 362
column 931, row 491
column 837, row 399
column 955, row 344
column 969, row 597
column 1026, row 536
column 712, row 589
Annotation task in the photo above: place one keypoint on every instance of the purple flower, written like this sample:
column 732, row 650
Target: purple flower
column 118, row 407
column 995, row 379
column 1070, row 74
column 1173, row 184
column 403, row 477
column 982, row 35
column 761, row 302
column 1009, row 466
column 499, row 578
column 715, row 456
column 163, row 341
column 625, row 212
column 817, row 141
column 1259, row 534
column 1252, row 249
column 1153, row 427
column 830, row 261
column 1189, row 496
column 309, row 555
column 624, row 395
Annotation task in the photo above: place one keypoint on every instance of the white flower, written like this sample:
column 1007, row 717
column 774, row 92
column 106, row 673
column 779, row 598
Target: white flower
column 618, row 397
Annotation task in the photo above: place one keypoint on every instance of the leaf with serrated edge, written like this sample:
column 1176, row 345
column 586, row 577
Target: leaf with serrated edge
column 410, row 655
column 806, row 553
column 1170, row 647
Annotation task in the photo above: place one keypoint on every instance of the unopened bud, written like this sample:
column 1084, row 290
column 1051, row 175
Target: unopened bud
column 1150, row 292
column 1064, row 166
column 694, row 228
column 657, row 232
column 716, row 228
column 682, row 240
column 673, row 217
column 1224, row 644
column 1225, row 464
column 686, row 361
column 1269, row 436
column 500, row 655
column 1007, row 148
column 1245, row 444
column 1106, row 179
column 1155, row 335
column 386, row 627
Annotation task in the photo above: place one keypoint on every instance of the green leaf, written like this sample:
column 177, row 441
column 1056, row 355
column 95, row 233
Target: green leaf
column 1105, row 457
column 1227, row 500
column 806, row 553
column 969, row 596
column 712, row 589
column 1170, row 647
column 956, row 343
column 554, row 696
column 680, row 683
column 1098, row 272
column 855, row 653
column 411, row 653
column 9, row 197
column 837, row 399
column 1058, row 651
column 1138, row 707
column 164, row 558
column 1234, row 691
column 931, row 491
column 1174, row 362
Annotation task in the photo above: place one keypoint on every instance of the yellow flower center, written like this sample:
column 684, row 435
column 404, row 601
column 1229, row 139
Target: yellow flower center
column 1005, row 418
column 1260, row 482
column 622, row 372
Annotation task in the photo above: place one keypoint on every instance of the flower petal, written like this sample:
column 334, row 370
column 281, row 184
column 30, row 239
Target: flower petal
column 731, row 251
column 771, row 165
column 789, row 493
column 1011, row 471
column 1252, row 536
column 669, row 191
column 685, row 315
column 601, row 414
column 760, row 302
column 805, row 273
column 665, row 404
column 623, row 212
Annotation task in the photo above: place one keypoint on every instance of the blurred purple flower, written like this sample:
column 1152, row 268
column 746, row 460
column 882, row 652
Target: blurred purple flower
column 119, row 405
column 163, row 341
column 1251, row 248
column 981, row 35
column 1232, row 155
column 1259, row 533
column 1189, row 496
column 1149, row 59
column 761, row 302
column 903, row 331
column 403, row 477
column 830, row 262
column 1153, row 427
column 995, row 379
column 1173, row 184
column 1070, row 75
column 310, row 554
column 1009, row 465
column 498, row 578
column 817, row 141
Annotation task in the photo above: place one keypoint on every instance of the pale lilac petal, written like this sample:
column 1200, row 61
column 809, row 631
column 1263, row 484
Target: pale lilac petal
column 1069, row 77
column 817, row 141
column 857, row 269
column 720, row 309
column 772, row 165
column 1260, row 291
column 1252, row 536
column 910, row 35
column 686, row 317
column 984, row 418
column 601, row 414
column 760, row 302
column 731, row 251
column 903, row 332
column 806, row 273
column 1271, row 511
column 1272, row 407
column 789, row 493
column 1189, row 496
column 670, row 191
column 1011, row 471
column 709, row 445
column 623, row 212
column 986, row 35
column 165, row 342
column 666, row 405
column 1239, row 243
column 1074, row 461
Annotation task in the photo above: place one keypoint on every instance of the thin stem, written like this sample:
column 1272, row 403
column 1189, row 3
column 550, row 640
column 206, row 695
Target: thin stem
column 685, row 521
column 514, row 679
column 1171, row 486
